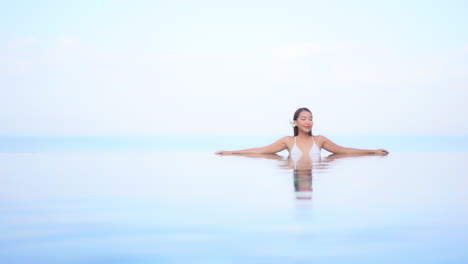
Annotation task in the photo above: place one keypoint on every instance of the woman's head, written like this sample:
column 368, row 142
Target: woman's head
column 303, row 121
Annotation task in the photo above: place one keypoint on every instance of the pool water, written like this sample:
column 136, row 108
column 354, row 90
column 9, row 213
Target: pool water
column 197, row 207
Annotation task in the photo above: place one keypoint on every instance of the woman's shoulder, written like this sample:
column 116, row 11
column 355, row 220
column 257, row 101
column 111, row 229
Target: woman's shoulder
column 320, row 138
column 287, row 139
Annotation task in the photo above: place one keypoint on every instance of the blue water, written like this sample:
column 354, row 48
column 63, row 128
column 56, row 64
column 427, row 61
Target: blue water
column 413, row 143
column 71, row 201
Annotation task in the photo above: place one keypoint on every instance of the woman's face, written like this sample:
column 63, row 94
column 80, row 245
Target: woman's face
column 304, row 122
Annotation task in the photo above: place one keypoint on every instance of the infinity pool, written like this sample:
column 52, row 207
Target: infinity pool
column 203, row 208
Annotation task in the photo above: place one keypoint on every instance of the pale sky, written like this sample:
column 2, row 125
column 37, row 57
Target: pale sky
column 233, row 67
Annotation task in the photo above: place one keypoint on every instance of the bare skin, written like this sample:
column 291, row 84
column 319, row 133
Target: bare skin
column 304, row 142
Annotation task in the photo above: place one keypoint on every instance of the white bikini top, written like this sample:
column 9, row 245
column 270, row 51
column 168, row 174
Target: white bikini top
column 296, row 153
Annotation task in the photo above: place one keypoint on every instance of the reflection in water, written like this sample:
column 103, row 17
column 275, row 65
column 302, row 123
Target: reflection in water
column 302, row 172
column 303, row 169
column 303, row 184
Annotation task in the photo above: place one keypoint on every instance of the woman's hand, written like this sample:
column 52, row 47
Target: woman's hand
column 383, row 152
column 222, row 152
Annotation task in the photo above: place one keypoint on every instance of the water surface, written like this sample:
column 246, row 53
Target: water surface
column 202, row 208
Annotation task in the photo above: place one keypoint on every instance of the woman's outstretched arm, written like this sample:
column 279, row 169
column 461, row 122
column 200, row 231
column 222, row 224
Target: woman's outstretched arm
column 270, row 149
column 337, row 149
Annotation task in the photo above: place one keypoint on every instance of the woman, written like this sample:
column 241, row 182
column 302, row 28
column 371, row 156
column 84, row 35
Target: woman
column 304, row 142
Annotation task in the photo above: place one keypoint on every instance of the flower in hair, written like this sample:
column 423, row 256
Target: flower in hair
column 292, row 123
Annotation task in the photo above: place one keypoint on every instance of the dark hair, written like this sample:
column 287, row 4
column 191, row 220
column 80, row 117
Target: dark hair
column 296, row 115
